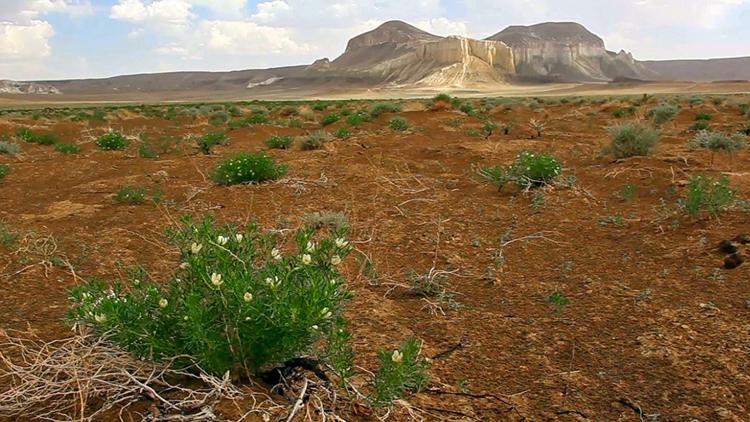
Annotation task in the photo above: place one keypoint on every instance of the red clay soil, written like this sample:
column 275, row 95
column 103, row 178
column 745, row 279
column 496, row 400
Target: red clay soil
column 655, row 328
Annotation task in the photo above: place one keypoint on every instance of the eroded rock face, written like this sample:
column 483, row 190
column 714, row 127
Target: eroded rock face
column 566, row 51
column 14, row 87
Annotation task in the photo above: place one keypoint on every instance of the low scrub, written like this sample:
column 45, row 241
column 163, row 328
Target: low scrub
column 236, row 303
column 663, row 113
column 29, row 136
column 279, row 142
column 112, row 141
column 401, row 370
column 210, row 140
column 330, row 119
column 247, row 168
column 708, row 195
column 132, row 195
column 632, row 139
column 9, row 148
column 314, row 140
column 4, row 170
column 381, row 108
column 398, row 124
column 67, row 148
column 529, row 170
column 718, row 142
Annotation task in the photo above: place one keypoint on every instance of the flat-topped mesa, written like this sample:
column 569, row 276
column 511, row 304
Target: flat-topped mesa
column 394, row 32
column 455, row 49
column 15, row 87
column 565, row 51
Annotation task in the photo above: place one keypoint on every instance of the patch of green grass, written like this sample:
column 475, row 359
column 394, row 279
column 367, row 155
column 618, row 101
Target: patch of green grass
column 4, row 171
column 131, row 195
column 67, row 148
column 342, row 133
column 702, row 115
column 398, row 124
column 210, row 140
column 330, row 119
column 279, row 142
column 381, row 108
column 627, row 192
column 29, row 136
column 401, row 370
column 699, row 126
column 707, row 194
column 623, row 112
column 8, row 235
column 558, row 300
column 247, row 168
column 112, row 141
column 357, row 118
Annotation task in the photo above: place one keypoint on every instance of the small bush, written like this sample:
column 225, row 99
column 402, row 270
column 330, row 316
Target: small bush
column 717, row 141
column 663, row 113
column 25, row 134
column 382, row 108
column 314, row 140
column 4, row 170
column 442, row 98
column 699, row 126
column 132, row 195
column 489, row 127
column 29, row 136
column 632, row 139
column 330, row 119
column 335, row 221
column 66, row 148
column 246, row 167
column 209, row 140
column 320, row 106
column 9, row 148
column 237, row 303
column 529, row 170
column 279, row 142
column 342, row 133
column 219, row 118
column 401, row 370
column 467, row 108
column 357, row 118
column 398, row 123
column 8, row 235
column 112, row 141
column 623, row 112
column 702, row 115
column 704, row 193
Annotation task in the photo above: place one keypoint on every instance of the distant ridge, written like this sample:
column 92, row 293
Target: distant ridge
column 399, row 55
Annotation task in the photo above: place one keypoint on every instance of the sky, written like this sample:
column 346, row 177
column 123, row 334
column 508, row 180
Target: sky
column 63, row 39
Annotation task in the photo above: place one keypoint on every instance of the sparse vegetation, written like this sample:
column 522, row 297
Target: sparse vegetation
column 314, row 140
column 382, row 108
column 398, row 124
column 9, row 148
column 632, row 139
column 663, row 113
column 528, row 171
column 4, row 171
column 401, row 370
column 330, row 119
column 210, row 140
column 707, row 194
column 67, row 148
column 247, row 168
column 717, row 141
column 131, row 195
column 342, row 133
column 112, row 141
column 279, row 142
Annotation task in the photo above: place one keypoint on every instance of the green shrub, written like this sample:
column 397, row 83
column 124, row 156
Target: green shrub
column 4, row 170
column 467, row 108
column 489, row 127
column 246, row 167
column 314, row 140
column 663, row 113
column 330, row 119
column 279, row 142
column 632, row 139
column 25, row 134
column 66, row 148
column 319, row 106
column 209, row 140
column 401, row 370
column 699, row 126
column 702, row 115
column 381, row 108
column 622, row 112
column 442, row 98
column 398, row 123
column 717, row 141
column 219, row 118
column 132, row 195
column 235, row 304
column 8, row 235
column 342, row 133
column 529, row 170
column 704, row 193
column 29, row 136
column 9, row 148
column 112, row 141
column 357, row 118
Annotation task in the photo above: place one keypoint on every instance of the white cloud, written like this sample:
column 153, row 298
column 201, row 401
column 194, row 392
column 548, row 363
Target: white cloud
column 442, row 26
column 244, row 37
column 224, row 8
column 172, row 50
column 158, row 12
column 25, row 41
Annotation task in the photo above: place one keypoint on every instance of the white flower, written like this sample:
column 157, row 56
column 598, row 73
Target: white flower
column 163, row 303
column 238, row 237
column 315, row 327
column 184, row 266
column 397, row 356
column 310, row 246
column 195, row 247
column 341, row 242
column 276, row 254
column 216, row 279
column 100, row 318
column 335, row 260
column 248, row 296
column 306, row 259
column 325, row 313
column 221, row 240
column 185, row 318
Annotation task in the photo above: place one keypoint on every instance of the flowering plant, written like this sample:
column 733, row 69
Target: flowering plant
column 237, row 302
column 529, row 170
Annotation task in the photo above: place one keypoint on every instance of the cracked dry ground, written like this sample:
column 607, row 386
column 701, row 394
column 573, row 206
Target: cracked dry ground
column 653, row 323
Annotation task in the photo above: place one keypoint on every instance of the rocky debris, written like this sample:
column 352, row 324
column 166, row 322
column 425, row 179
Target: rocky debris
column 15, row 87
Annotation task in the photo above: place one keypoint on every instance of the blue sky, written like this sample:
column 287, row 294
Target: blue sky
column 56, row 39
